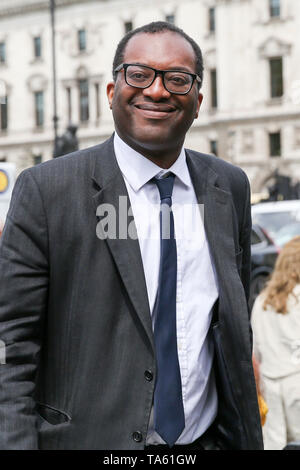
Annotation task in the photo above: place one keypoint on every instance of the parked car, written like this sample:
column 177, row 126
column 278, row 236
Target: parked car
column 274, row 224
column 280, row 219
column 263, row 256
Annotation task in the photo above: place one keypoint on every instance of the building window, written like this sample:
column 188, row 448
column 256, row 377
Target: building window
column 83, row 100
column 82, row 40
column 212, row 20
column 214, row 147
column 276, row 76
column 128, row 26
column 97, row 96
column 275, row 144
column 274, row 8
column 37, row 46
column 213, row 88
column 170, row 19
column 39, row 108
column 4, row 113
column 69, row 103
column 2, row 53
column 37, row 159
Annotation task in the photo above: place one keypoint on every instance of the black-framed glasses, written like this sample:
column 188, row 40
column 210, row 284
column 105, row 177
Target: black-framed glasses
column 174, row 81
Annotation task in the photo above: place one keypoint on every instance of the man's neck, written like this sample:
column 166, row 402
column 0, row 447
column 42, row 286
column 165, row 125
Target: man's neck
column 163, row 158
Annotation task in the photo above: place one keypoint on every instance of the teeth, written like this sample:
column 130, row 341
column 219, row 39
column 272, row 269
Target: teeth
column 155, row 109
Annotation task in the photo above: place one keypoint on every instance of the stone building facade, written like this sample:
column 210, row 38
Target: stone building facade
column 251, row 109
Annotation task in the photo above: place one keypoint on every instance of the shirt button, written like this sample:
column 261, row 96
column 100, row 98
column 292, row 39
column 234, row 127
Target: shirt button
column 137, row 436
column 148, row 375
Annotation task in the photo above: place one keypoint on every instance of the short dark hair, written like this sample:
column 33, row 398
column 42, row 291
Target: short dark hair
column 151, row 28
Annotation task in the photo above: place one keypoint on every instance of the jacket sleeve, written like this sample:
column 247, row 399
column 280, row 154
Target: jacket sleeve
column 245, row 240
column 23, row 300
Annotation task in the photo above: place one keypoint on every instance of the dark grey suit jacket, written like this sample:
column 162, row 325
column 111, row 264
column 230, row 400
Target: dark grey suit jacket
column 74, row 311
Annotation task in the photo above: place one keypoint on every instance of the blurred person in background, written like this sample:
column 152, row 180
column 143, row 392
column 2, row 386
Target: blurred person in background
column 276, row 335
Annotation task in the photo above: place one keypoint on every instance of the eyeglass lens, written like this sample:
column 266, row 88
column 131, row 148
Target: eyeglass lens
column 142, row 77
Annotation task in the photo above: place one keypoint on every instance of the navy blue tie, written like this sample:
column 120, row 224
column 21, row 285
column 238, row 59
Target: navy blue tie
column 168, row 406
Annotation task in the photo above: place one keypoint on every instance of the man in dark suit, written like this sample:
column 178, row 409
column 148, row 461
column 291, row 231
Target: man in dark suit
column 135, row 340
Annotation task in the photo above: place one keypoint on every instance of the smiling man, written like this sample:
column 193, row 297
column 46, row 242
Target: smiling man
column 152, row 119
column 140, row 341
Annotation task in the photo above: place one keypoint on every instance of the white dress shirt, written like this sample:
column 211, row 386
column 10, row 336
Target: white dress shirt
column 197, row 288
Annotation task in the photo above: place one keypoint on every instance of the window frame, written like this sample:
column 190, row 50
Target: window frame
column 274, row 10
column 3, row 58
column 97, row 99
column 39, row 108
column 84, row 108
column 212, row 20
column 82, row 39
column 213, row 88
column 4, row 114
column 170, row 18
column 213, row 147
column 276, row 78
column 37, row 46
column 69, row 102
column 37, row 159
column 272, row 145
column 128, row 26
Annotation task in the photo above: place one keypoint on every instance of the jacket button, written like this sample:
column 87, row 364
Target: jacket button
column 148, row 375
column 137, row 436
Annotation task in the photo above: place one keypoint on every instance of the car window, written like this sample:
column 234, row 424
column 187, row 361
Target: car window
column 255, row 239
column 273, row 222
column 286, row 233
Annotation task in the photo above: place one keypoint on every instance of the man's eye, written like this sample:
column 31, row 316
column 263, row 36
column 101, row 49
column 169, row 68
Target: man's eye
column 178, row 79
column 137, row 76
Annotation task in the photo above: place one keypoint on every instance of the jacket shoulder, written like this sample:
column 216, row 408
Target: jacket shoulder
column 227, row 171
column 78, row 162
column 227, row 177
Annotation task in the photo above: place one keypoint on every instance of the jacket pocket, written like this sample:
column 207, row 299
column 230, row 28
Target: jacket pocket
column 52, row 415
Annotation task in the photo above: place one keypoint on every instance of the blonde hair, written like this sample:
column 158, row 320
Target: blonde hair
column 285, row 276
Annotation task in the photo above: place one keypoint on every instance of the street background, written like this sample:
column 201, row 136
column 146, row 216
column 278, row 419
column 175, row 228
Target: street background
column 56, row 59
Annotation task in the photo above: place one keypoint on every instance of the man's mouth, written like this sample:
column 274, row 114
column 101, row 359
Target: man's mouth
column 155, row 110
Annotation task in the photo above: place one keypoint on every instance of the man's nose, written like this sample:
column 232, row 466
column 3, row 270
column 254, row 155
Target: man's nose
column 157, row 90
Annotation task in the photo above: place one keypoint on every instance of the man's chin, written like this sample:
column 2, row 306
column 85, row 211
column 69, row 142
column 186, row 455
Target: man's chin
column 151, row 140
column 151, row 133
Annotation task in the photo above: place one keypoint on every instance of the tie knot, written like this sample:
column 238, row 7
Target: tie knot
column 165, row 186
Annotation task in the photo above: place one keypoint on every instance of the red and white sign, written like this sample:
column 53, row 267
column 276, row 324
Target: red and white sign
column 7, row 181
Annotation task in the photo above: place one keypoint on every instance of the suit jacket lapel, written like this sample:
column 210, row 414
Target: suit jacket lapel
column 217, row 215
column 107, row 177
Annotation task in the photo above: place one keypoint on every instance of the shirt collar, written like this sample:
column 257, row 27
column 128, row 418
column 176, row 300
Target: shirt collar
column 138, row 170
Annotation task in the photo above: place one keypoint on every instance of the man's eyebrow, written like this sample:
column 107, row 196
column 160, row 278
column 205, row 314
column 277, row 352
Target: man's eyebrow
column 179, row 68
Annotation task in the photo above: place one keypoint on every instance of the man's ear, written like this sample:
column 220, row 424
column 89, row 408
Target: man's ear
column 110, row 89
column 199, row 101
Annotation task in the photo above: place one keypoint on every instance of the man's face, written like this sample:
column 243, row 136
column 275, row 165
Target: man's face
column 152, row 118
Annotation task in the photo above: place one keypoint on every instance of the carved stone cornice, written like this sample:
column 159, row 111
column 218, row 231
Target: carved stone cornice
column 37, row 82
column 20, row 7
column 226, row 2
column 274, row 47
